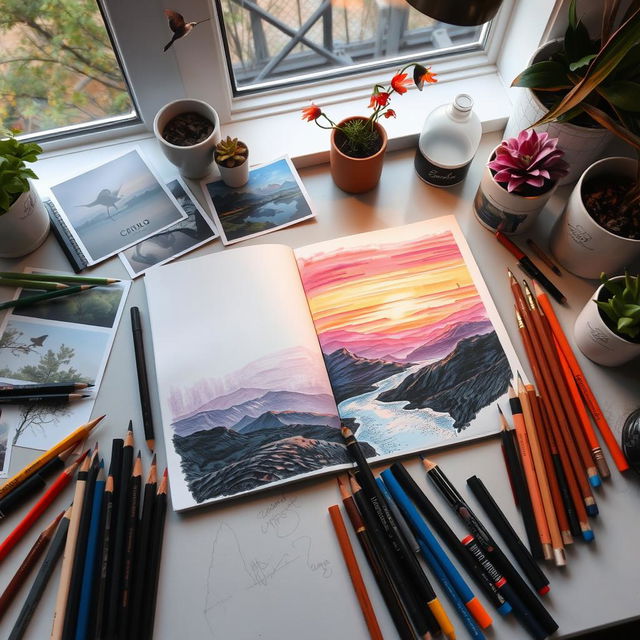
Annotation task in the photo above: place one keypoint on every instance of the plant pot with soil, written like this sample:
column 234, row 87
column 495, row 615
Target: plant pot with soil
column 608, row 332
column 517, row 182
column 599, row 229
column 24, row 223
column 232, row 158
column 358, row 144
column 188, row 131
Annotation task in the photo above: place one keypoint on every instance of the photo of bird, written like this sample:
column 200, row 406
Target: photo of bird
column 39, row 341
column 107, row 198
column 179, row 27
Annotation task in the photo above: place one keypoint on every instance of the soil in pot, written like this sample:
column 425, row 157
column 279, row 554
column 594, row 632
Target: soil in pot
column 603, row 197
column 187, row 129
column 369, row 141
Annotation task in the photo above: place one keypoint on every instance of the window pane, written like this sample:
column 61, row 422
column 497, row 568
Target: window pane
column 272, row 42
column 57, row 66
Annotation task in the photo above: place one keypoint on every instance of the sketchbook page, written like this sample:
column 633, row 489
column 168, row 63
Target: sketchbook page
column 416, row 352
column 245, row 399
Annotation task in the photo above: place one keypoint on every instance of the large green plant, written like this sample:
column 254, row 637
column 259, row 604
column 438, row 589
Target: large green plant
column 14, row 172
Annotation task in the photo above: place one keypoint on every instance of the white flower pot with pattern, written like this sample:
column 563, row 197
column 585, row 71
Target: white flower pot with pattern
column 24, row 226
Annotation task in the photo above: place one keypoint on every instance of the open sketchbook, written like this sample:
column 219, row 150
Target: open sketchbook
column 261, row 351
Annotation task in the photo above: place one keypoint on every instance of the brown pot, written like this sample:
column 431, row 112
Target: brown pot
column 356, row 175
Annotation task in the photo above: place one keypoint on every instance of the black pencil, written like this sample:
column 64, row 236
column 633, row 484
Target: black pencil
column 523, row 557
column 143, row 380
column 142, row 550
column 133, row 505
column 41, row 389
column 488, row 545
column 47, row 398
column 42, row 578
column 155, row 554
column 119, row 529
column 75, row 585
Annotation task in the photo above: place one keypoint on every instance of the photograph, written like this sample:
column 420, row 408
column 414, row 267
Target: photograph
column 115, row 205
column 184, row 236
column 5, row 449
column 273, row 198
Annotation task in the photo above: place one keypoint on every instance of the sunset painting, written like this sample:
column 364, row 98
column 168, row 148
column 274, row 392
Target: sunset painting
column 409, row 335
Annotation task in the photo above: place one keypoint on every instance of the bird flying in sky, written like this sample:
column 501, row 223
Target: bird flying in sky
column 39, row 341
column 179, row 27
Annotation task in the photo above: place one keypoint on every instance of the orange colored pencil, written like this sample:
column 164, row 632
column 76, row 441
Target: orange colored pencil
column 530, row 474
column 581, row 381
column 354, row 573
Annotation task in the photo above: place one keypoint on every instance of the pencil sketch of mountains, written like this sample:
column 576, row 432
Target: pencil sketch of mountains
column 472, row 376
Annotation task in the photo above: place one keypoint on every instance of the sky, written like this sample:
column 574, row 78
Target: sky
column 389, row 299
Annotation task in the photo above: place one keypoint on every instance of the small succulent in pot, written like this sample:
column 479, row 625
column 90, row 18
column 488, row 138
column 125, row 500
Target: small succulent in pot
column 231, row 156
column 622, row 307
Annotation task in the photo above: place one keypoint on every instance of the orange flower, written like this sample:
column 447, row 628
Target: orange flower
column 422, row 75
column 399, row 83
column 312, row 113
column 380, row 99
column 389, row 113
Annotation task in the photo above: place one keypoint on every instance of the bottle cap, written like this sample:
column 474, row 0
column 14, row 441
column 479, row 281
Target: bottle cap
column 463, row 102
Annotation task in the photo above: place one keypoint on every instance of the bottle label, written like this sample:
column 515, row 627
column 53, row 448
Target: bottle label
column 439, row 176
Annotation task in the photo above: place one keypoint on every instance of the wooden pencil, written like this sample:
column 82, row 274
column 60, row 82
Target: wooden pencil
column 581, row 381
column 58, row 277
column 543, row 256
column 43, row 297
column 541, row 473
column 27, row 565
column 76, row 436
column 40, row 285
column 354, row 573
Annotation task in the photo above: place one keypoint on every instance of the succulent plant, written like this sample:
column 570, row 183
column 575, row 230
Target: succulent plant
column 230, row 152
column 623, row 307
column 530, row 159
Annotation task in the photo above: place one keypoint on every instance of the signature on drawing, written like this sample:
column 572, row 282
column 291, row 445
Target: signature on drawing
column 281, row 517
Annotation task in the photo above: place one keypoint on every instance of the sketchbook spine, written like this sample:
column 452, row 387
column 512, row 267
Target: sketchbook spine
column 65, row 238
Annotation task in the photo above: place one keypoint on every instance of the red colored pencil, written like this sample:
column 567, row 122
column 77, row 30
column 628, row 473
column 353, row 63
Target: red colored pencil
column 39, row 508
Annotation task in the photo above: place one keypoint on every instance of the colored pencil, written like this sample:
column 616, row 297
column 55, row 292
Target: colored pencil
column 143, row 379
column 42, row 579
column 155, row 555
column 423, row 588
column 40, row 285
column 472, row 568
column 38, row 509
column 468, row 606
column 488, row 545
column 520, row 483
column 76, row 436
column 27, row 565
column 354, row 573
column 581, row 381
column 523, row 557
column 69, row 551
column 133, row 504
column 119, row 531
column 47, row 398
column 543, row 256
column 18, row 303
column 530, row 474
column 389, row 592
column 42, row 389
column 89, row 566
column 57, row 277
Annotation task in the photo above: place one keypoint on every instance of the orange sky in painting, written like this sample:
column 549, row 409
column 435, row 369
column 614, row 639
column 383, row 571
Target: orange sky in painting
column 392, row 298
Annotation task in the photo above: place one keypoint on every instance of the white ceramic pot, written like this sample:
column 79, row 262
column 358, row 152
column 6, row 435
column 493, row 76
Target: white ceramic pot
column 581, row 145
column 24, row 227
column 579, row 243
column 235, row 176
column 597, row 342
column 499, row 210
column 194, row 161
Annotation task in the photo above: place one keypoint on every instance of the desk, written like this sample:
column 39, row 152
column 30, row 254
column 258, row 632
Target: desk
column 227, row 571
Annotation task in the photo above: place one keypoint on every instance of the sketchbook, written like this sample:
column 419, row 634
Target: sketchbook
column 261, row 352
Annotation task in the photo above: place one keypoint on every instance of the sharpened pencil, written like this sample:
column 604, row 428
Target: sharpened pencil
column 543, row 256
column 42, row 389
column 143, row 379
column 47, row 398
column 18, row 303
column 38, row 285
column 57, row 277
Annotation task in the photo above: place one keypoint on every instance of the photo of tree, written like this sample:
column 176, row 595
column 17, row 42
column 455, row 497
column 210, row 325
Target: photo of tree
column 4, row 436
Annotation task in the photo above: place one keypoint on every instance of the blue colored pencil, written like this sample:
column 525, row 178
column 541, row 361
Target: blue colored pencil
column 90, row 561
column 424, row 533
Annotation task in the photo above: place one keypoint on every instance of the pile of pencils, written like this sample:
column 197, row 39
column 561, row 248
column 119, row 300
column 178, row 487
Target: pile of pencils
column 111, row 554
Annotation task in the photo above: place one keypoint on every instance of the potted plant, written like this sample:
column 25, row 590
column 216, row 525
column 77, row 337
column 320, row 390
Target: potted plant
column 24, row 223
column 609, row 331
column 188, row 131
column 581, row 88
column 517, row 182
column 358, row 144
column 232, row 160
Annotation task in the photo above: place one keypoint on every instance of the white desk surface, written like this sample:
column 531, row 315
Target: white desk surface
column 268, row 567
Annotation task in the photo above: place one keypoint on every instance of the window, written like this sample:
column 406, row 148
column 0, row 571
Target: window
column 58, row 69
column 283, row 42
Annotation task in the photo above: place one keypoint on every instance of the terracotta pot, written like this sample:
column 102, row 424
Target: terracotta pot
column 356, row 175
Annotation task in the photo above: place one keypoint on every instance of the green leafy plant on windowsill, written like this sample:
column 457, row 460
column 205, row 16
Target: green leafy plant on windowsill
column 622, row 308
column 14, row 173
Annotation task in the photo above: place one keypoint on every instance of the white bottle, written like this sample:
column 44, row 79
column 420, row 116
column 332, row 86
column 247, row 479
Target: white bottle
column 449, row 140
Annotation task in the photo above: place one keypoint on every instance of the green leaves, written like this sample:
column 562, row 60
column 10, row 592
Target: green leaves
column 548, row 75
column 14, row 173
column 623, row 308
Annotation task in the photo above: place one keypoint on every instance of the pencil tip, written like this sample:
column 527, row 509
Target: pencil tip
column 153, row 460
column 130, row 428
column 499, row 410
column 428, row 465
column 166, row 473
